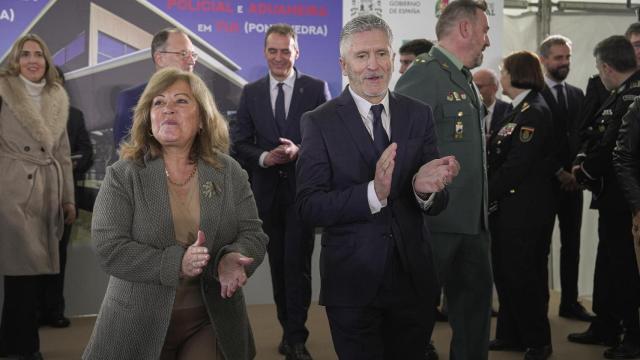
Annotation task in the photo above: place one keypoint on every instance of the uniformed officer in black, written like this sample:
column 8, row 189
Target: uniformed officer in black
column 521, row 210
column 616, row 290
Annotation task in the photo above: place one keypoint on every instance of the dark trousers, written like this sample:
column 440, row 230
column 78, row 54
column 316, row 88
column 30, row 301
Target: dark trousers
column 51, row 294
column 464, row 270
column 616, row 284
column 569, row 212
column 19, row 326
column 519, row 259
column 392, row 327
column 290, row 249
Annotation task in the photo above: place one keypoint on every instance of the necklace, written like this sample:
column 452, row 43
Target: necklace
column 193, row 172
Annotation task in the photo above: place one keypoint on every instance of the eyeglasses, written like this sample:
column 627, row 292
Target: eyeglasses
column 184, row 54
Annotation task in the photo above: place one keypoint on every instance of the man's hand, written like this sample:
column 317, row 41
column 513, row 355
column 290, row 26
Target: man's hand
column 290, row 149
column 567, row 181
column 433, row 176
column 286, row 152
column 384, row 172
column 195, row 258
column 231, row 273
column 69, row 211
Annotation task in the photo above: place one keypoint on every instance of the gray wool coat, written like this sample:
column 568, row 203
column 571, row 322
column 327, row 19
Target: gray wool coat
column 36, row 177
column 134, row 238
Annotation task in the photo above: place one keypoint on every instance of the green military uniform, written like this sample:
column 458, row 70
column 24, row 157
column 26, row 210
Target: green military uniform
column 460, row 240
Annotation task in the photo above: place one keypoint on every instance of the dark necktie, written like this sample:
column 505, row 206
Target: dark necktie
column 380, row 137
column 561, row 99
column 280, row 113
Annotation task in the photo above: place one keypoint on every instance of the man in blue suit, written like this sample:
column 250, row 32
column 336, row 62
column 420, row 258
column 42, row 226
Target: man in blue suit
column 368, row 171
column 169, row 47
column 266, row 138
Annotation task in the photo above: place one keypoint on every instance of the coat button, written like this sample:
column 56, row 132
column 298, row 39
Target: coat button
column 512, row 191
column 42, row 149
column 30, row 176
column 26, row 148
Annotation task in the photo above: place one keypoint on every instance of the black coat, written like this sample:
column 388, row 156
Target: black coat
column 626, row 156
column 519, row 174
column 596, row 166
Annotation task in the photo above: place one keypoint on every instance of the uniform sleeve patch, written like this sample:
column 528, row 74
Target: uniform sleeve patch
column 526, row 134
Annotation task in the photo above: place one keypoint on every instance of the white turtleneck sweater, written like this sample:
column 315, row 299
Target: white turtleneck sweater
column 34, row 90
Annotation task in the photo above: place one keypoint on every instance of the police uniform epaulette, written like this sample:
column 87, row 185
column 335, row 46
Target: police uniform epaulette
column 525, row 107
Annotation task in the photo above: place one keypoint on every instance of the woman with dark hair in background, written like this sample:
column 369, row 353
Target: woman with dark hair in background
column 36, row 185
column 521, row 210
column 176, row 226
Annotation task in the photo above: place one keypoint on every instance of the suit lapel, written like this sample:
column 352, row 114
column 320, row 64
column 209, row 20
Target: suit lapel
column 154, row 187
column 211, row 182
column 296, row 98
column 401, row 125
column 348, row 112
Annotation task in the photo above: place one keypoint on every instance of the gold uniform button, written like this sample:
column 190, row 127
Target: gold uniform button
column 460, row 114
column 512, row 191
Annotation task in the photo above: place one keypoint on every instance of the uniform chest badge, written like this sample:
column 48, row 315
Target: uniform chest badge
column 607, row 112
column 526, row 134
column 459, row 131
column 507, row 130
column 463, row 96
column 450, row 96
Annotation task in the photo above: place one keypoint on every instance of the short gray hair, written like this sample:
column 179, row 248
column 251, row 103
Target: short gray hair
column 361, row 24
column 551, row 40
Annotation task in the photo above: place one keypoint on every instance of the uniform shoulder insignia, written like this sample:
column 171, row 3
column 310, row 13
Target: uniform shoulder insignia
column 525, row 107
column 634, row 84
column 628, row 97
column 526, row 133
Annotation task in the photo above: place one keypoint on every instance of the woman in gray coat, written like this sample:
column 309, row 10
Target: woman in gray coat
column 36, row 187
column 176, row 226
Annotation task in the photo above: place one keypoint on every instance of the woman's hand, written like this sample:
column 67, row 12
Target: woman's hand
column 195, row 258
column 69, row 211
column 231, row 273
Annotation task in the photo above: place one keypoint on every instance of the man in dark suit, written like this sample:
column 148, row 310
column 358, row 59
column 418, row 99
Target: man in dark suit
column 169, row 47
column 368, row 170
column 488, row 84
column 565, row 102
column 616, row 284
column 266, row 138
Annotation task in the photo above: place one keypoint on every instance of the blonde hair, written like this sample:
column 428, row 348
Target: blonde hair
column 211, row 139
column 13, row 64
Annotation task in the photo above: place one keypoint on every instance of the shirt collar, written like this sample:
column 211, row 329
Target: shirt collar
column 289, row 81
column 518, row 99
column 364, row 106
column 552, row 83
column 458, row 64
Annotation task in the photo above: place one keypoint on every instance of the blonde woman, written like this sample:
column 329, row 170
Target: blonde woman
column 176, row 226
column 36, row 187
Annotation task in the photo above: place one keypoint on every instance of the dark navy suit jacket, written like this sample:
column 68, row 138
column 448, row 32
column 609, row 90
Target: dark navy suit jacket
column 566, row 129
column 256, row 131
column 125, row 104
column 500, row 110
column 336, row 162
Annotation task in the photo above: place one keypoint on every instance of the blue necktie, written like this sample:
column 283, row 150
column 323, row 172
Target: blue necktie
column 280, row 113
column 380, row 137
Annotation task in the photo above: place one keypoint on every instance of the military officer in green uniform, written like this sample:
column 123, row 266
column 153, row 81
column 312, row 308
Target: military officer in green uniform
column 460, row 241
column 616, row 284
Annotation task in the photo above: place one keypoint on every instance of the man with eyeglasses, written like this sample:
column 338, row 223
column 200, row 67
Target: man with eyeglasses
column 266, row 139
column 169, row 47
